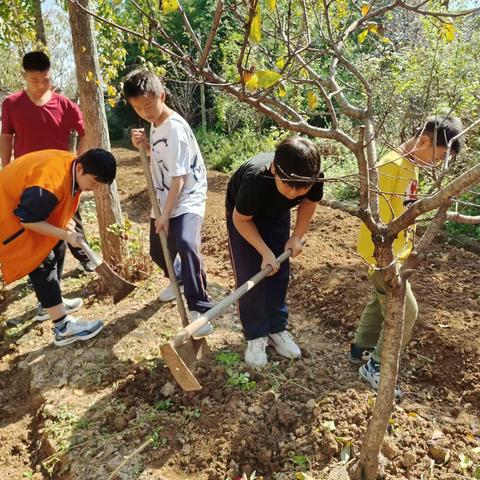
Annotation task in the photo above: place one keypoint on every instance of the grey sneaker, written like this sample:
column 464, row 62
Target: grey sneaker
column 255, row 354
column 207, row 329
column 284, row 345
column 370, row 372
column 167, row 294
column 74, row 329
column 71, row 306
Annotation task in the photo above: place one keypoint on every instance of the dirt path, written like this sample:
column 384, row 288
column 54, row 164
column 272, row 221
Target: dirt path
column 82, row 409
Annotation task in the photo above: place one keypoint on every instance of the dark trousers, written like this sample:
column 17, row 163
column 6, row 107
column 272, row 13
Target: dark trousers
column 184, row 239
column 263, row 309
column 78, row 253
column 46, row 277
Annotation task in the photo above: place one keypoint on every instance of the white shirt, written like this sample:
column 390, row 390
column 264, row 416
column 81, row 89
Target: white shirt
column 175, row 152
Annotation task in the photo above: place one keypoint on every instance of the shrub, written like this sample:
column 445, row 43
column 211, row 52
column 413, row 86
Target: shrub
column 226, row 153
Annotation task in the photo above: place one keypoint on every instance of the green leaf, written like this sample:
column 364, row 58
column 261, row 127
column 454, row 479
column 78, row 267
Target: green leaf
column 465, row 462
column 267, row 78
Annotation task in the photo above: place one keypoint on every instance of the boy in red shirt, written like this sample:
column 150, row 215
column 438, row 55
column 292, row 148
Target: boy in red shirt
column 37, row 118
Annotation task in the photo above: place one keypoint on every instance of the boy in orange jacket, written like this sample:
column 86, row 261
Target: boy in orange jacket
column 39, row 194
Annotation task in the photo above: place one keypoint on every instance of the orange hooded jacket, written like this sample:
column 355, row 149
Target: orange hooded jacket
column 22, row 250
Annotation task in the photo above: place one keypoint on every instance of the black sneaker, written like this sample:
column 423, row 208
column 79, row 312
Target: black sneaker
column 359, row 355
column 370, row 372
column 86, row 267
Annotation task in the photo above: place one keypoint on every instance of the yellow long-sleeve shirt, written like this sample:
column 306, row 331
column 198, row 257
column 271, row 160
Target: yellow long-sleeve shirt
column 398, row 183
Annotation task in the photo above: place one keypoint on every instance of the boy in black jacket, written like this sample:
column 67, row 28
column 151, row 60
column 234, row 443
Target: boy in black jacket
column 260, row 195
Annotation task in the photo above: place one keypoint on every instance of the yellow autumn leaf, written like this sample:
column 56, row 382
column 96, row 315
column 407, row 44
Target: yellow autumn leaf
column 385, row 40
column 271, row 4
column 280, row 63
column 267, row 78
column 282, row 92
column 252, row 83
column 89, row 76
column 256, row 27
column 303, row 73
column 169, row 6
column 365, row 9
column 448, row 32
column 111, row 102
column 111, row 91
column 312, row 100
column 373, row 27
column 362, row 36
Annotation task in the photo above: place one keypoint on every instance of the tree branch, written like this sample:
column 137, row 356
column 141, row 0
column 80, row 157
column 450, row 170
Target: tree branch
column 465, row 219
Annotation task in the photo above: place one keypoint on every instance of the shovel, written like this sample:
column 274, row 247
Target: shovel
column 118, row 287
column 170, row 355
column 193, row 349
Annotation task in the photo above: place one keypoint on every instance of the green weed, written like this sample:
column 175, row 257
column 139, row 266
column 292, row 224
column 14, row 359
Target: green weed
column 240, row 380
column 163, row 405
column 228, row 358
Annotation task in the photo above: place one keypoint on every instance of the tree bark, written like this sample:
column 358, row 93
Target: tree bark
column 367, row 466
column 39, row 25
column 93, row 107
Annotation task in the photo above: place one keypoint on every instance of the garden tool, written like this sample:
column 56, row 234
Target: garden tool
column 174, row 359
column 193, row 349
column 118, row 287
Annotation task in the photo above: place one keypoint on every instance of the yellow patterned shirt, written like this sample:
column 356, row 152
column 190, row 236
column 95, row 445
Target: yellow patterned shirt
column 398, row 183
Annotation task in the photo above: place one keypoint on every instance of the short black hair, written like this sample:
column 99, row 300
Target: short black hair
column 142, row 82
column 297, row 162
column 100, row 163
column 36, row 62
column 442, row 128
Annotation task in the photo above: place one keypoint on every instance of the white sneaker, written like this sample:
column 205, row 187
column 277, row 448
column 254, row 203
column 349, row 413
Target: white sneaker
column 207, row 329
column 74, row 329
column 284, row 345
column 255, row 354
column 71, row 306
column 167, row 294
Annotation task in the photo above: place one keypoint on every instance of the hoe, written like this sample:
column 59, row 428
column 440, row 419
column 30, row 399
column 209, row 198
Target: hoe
column 119, row 288
column 171, row 351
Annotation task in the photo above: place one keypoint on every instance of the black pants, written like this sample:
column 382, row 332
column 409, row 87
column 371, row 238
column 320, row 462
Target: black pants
column 263, row 309
column 46, row 277
column 78, row 253
column 184, row 239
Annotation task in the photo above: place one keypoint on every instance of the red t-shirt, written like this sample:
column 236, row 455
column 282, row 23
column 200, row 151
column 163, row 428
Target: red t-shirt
column 40, row 128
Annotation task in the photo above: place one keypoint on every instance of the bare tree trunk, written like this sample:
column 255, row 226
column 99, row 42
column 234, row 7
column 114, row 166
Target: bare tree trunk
column 39, row 25
column 93, row 107
column 367, row 466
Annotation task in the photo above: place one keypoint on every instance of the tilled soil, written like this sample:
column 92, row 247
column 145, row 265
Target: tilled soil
column 78, row 412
